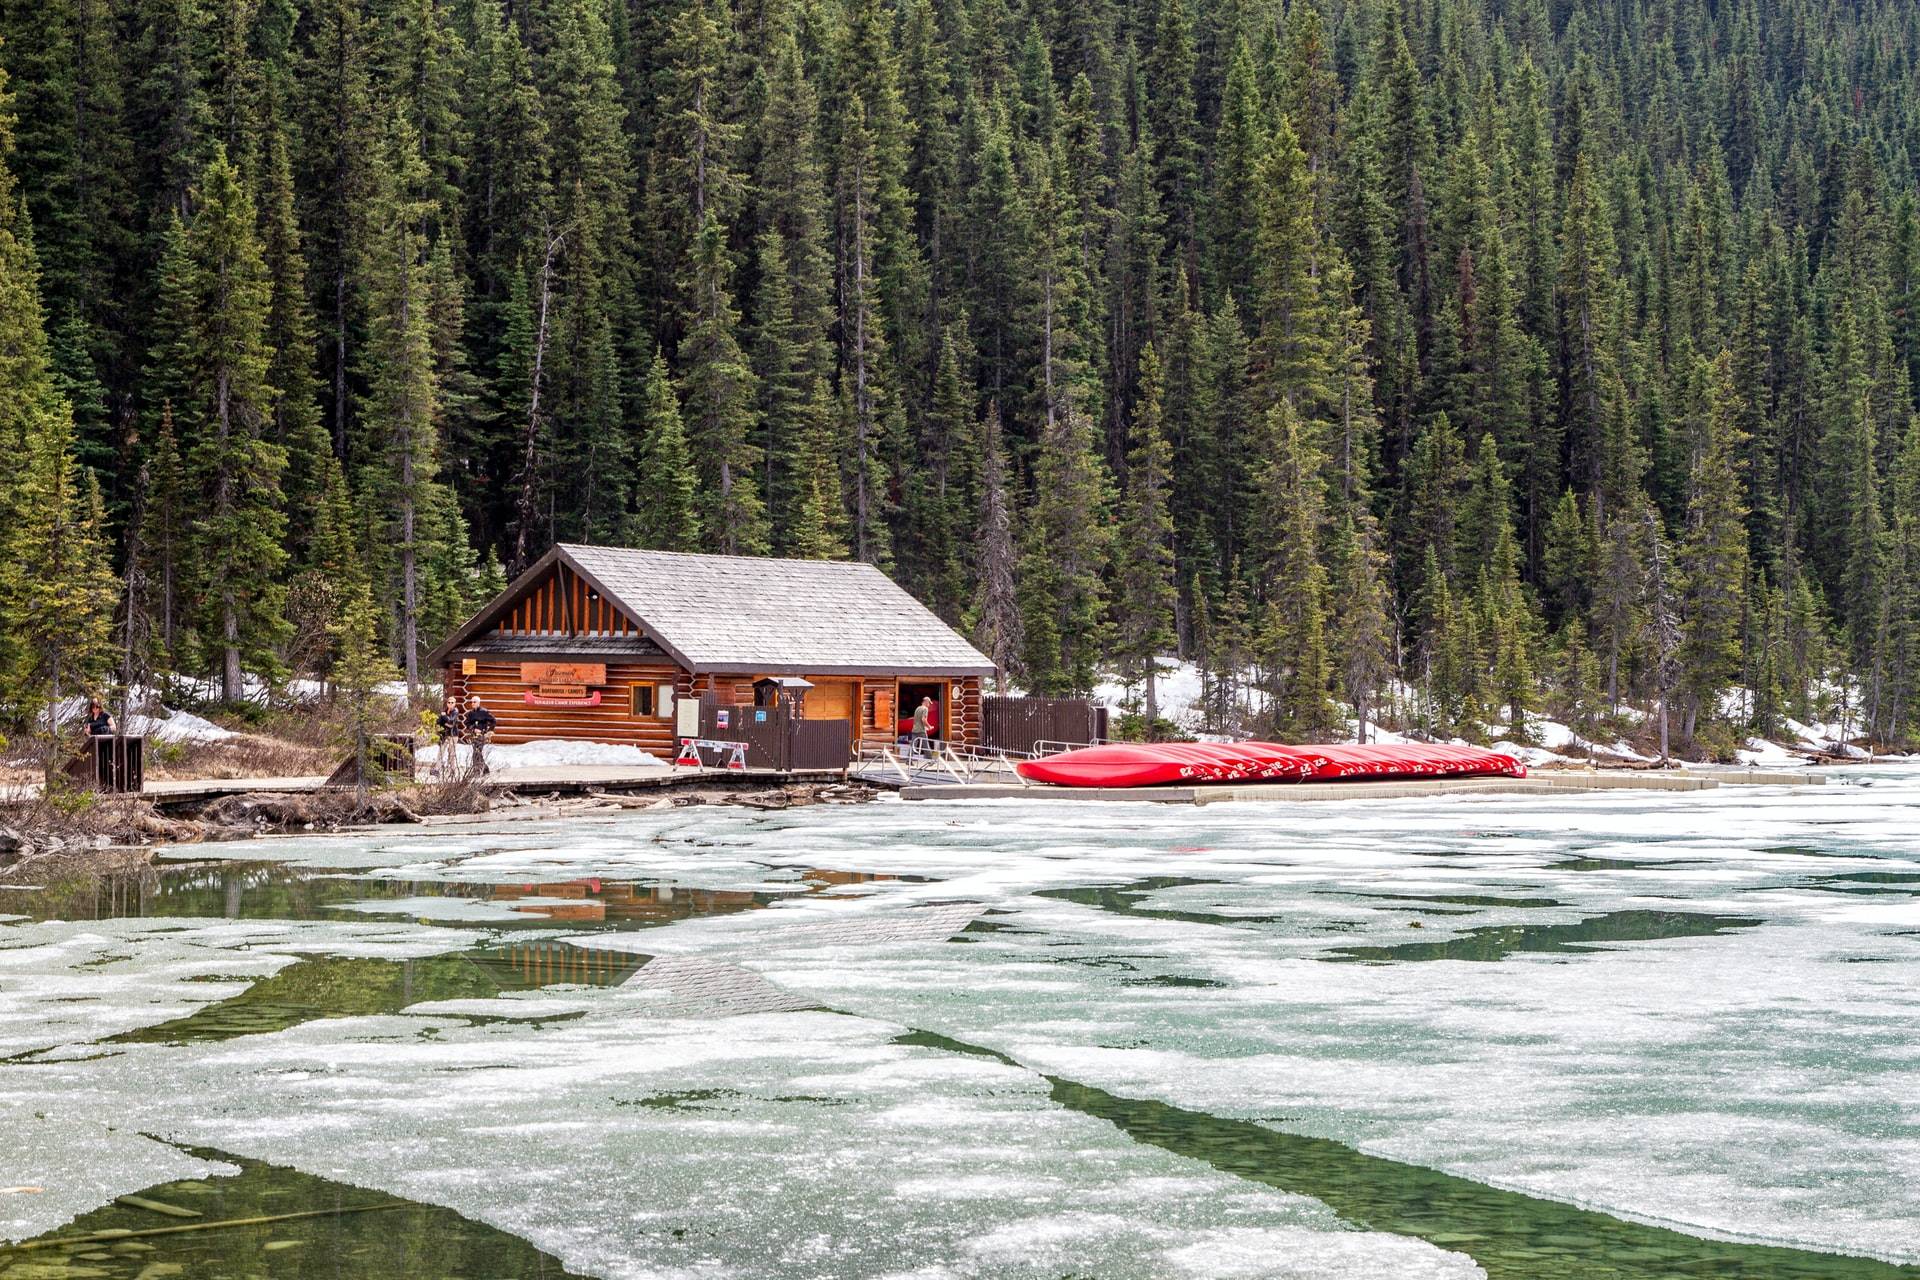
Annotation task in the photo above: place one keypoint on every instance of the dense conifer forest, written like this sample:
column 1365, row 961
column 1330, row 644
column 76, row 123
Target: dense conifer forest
column 1529, row 355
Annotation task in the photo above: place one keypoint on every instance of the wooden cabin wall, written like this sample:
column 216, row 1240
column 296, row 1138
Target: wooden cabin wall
column 965, row 712
column 499, row 685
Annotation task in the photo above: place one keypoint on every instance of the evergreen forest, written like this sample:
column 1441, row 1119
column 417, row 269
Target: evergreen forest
column 1469, row 358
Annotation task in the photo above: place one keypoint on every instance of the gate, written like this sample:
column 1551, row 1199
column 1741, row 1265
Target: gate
column 774, row 737
column 1018, row 724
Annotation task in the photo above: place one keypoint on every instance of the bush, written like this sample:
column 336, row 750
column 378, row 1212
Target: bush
column 1133, row 727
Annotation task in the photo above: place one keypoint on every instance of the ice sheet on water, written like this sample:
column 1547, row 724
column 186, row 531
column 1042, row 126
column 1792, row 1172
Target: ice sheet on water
column 1753, row 1083
column 636, row 1146
column 78, row 1166
column 64, row 984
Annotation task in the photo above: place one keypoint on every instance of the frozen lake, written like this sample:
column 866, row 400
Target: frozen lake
column 1615, row 1035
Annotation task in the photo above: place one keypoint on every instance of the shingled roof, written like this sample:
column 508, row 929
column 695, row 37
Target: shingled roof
column 757, row 615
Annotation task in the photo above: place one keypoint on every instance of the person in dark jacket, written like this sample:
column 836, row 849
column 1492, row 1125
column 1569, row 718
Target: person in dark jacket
column 480, row 725
column 452, row 723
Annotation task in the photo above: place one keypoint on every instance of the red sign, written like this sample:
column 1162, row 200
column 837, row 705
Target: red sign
column 537, row 700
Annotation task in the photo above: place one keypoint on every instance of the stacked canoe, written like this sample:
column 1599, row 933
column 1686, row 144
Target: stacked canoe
column 1146, row 764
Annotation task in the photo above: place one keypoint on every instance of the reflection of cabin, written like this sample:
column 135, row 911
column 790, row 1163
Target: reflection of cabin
column 602, row 643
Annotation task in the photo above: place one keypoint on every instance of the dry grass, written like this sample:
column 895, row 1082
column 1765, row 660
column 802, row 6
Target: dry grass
column 251, row 755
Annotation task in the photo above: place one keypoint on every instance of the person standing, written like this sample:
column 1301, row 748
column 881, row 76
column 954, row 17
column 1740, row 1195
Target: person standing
column 922, row 723
column 452, row 722
column 479, row 727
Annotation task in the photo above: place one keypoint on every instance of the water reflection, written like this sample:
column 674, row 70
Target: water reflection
column 1497, row 942
column 341, row 987
column 276, row 891
column 1511, row 1236
column 272, row 1221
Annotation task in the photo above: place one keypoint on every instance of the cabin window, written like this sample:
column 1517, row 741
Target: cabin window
column 650, row 700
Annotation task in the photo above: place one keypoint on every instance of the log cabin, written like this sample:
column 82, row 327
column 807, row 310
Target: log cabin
column 603, row 644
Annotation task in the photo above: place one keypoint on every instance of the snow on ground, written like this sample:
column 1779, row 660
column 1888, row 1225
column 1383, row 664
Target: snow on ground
column 178, row 726
column 1552, row 742
column 1177, row 691
column 392, row 690
column 549, row 753
column 153, row 720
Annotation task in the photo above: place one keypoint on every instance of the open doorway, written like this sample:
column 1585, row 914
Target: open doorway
column 910, row 694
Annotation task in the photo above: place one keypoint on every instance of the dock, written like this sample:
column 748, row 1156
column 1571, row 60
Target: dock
column 1553, row 782
column 568, row 780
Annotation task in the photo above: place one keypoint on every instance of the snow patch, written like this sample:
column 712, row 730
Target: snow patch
column 548, row 753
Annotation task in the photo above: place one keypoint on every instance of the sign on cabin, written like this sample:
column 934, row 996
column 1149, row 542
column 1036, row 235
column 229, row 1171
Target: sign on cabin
column 563, row 674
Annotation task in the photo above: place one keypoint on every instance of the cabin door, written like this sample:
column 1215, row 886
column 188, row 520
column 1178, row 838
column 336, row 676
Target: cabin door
column 910, row 694
column 830, row 700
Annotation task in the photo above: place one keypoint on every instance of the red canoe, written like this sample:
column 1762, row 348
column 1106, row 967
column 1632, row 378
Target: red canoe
column 1145, row 764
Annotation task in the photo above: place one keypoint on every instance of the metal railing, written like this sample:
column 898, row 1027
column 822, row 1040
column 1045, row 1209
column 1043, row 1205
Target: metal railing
column 918, row 759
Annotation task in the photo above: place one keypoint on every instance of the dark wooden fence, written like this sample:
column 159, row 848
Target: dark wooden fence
column 115, row 763
column 775, row 738
column 1018, row 724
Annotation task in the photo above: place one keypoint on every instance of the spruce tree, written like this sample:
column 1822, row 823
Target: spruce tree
column 1062, row 566
column 236, row 545
column 716, row 392
column 1359, row 614
column 1293, row 626
column 1143, row 575
column 666, row 513
column 995, row 615
column 1712, row 557
column 403, row 388
column 57, row 589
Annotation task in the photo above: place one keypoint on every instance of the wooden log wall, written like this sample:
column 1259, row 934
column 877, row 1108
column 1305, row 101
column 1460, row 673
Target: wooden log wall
column 966, row 712
column 499, row 685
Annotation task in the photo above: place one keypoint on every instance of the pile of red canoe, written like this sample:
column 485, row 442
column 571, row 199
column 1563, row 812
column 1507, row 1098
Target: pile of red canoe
column 1144, row 764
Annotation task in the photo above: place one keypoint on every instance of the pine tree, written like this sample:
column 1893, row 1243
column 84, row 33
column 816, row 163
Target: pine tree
column 691, row 174
column 818, row 530
column 1712, row 558
column 166, row 528
column 1234, row 196
column 1291, row 356
column 57, row 590
column 236, row 545
column 292, row 340
column 339, row 140
column 1587, row 275
column 1293, row 626
column 403, row 388
column 1062, row 594
column 358, row 674
column 666, row 511
column 1358, row 613
column 1143, row 574
column 1171, row 117
column 1582, row 699
column 995, row 615
column 716, row 392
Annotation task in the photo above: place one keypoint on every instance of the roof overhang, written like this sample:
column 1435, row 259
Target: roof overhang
column 830, row 669
column 458, row 642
